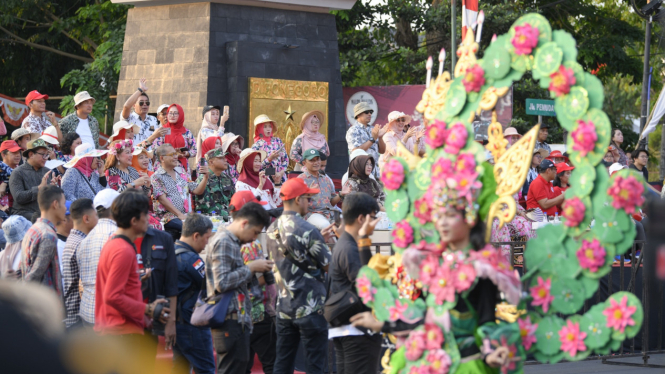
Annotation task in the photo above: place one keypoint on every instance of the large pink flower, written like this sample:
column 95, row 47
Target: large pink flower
column 402, row 234
column 474, row 78
column 456, row 140
column 618, row 314
column 422, row 369
column 541, row 294
column 415, row 345
column 442, row 285
column 429, row 268
column 465, row 275
column 527, row 332
column 466, row 163
column 525, row 39
column 397, row 310
column 626, row 193
column 464, row 183
column 439, row 361
column 441, row 170
column 393, row 174
column 434, row 336
column 365, row 290
column 513, row 354
column 562, row 80
column 572, row 339
column 423, row 209
column 591, row 255
column 573, row 212
column 435, row 134
column 585, row 137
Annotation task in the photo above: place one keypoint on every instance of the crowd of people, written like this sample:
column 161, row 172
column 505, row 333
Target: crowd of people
column 124, row 234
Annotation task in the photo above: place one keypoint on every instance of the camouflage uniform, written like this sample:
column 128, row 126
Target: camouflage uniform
column 218, row 192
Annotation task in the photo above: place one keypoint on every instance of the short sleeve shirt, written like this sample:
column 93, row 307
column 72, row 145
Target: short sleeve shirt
column 644, row 171
column 319, row 203
column 359, row 134
column 146, row 127
column 36, row 124
column 538, row 190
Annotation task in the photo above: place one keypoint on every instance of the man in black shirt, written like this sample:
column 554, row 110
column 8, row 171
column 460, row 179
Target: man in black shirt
column 640, row 161
column 356, row 353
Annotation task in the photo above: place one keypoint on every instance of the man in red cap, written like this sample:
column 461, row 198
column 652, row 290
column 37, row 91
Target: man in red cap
column 39, row 119
column 11, row 156
column 302, row 257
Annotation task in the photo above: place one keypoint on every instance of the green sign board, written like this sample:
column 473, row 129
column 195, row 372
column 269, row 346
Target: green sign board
column 539, row 107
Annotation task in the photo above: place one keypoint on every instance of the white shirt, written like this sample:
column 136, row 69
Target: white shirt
column 264, row 195
column 84, row 132
column 146, row 127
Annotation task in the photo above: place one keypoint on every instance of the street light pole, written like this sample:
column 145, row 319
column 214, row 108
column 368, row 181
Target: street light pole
column 645, row 76
column 453, row 38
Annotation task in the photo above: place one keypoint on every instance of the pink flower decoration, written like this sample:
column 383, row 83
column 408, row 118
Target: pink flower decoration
column 441, row 169
column 464, row 182
column 365, row 290
column 439, row 361
column 525, row 39
column 572, row 339
column 585, row 137
column 434, row 336
column 618, row 314
column 466, row 163
column 435, row 134
column 402, row 234
column 513, row 355
column 541, row 294
column 435, row 248
column 474, row 78
column 423, row 209
column 465, row 275
column 442, row 285
column 591, row 255
column 562, row 80
column 456, row 139
column 428, row 270
column 626, row 193
column 415, row 345
column 393, row 174
column 422, row 369
column 573, row 212
column 397, row 310
column 527, row 332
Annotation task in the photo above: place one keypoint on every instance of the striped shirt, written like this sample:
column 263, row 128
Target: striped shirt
column 87, row 258
column 70, row 275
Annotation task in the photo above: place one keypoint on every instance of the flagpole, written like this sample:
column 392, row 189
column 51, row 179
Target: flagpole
column 453, row 38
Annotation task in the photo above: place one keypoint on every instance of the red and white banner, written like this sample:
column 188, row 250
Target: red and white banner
column 469, row 15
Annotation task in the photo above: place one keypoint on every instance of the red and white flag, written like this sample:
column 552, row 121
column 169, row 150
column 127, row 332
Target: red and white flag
column 469, row 15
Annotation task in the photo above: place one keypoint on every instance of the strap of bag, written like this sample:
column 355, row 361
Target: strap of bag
column 86, row 181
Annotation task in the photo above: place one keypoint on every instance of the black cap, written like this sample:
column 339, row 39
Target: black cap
column 544, row 126
column 208, row 108
column 546, row 164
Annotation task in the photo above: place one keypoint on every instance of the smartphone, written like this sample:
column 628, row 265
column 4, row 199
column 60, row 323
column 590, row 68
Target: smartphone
column 270, row 171
column 226, row 110
column 184, row 149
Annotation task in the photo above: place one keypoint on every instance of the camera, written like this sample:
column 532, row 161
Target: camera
column 157, row 326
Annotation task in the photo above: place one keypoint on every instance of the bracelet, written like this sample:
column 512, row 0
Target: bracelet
column 364, row 242
column 140, row 90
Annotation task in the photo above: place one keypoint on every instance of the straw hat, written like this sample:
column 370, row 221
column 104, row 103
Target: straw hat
column 123, row 125
column 139, row 150
column 229, row 138
column 81, row 97
column 511, row 131
column 395, row 115
column 316, row 113
column 245, row 153
column 50, row 135
column 543, row 152
column 360, row 108
column 22, row 132
column 262, row 118
column 85, row 150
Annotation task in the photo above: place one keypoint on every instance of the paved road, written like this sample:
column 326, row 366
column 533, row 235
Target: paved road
column 597, row 366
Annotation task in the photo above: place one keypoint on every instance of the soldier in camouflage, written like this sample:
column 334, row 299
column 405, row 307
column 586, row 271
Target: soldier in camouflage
column 219, row 187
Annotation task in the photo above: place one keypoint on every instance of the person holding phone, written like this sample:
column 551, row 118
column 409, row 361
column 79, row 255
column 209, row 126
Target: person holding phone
column 209, row 128
column 252, row 178
column 179, row 137
column 266, row 141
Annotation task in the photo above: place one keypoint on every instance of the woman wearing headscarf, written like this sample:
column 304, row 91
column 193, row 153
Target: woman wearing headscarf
column 359, row 180
column 411, row 139
column 232, row 145
column 210, row 143
column 209, row 127
column 141, row 161
column 82, row 180
column 266, row 141
column 252, row 178
column 310, row 138
column 179, row 138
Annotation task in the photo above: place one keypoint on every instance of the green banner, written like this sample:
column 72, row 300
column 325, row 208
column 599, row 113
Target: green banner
column 539, row 107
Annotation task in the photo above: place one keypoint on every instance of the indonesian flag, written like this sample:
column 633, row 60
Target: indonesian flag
column 469, row 15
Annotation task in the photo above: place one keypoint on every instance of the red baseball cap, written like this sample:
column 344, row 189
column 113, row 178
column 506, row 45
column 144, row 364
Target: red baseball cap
column 10, row 145
column 240, row 198
column 562, row 166
column 295, row 187
column 34, row 95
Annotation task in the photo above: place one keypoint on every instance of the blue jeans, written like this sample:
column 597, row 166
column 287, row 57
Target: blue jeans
column 313, row 330
column 193, row 344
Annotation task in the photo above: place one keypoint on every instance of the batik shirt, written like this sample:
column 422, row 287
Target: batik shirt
column 543, row 145
column 36, row 124
column 177, row 191
column 296, row 150
column 40, row 255
column 217, row 194
column 146, row 127
column 319, row 203
column 190, row 143
column 281, row 162
column 70, row 277
column 291, row 241
column 70, row 123
column 120, row 181
column 263, row 297
column 359, row 134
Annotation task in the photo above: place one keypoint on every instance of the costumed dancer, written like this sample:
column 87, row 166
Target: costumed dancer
column 310, row 138
column 266, row 141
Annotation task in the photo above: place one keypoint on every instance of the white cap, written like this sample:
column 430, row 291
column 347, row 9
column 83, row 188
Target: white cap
column 162, row 107
column 394, row 115
column 105, row 197
column 616, row 167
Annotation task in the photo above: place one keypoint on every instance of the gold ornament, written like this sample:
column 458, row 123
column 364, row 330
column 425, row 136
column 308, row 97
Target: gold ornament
column 490, row 98
column 496, row 142
column 507, row 312
column 434, row 97
column 411, row 159
column 467, row 54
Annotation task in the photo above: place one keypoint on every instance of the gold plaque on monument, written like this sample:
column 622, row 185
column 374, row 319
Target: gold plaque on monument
column 285, row 102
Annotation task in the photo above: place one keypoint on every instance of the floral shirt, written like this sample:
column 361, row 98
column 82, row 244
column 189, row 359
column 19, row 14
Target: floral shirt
column 64, row 158
column 319, row 203
column 273, row 198
column 120, row 181
column 36, row 124
column 232, row 172
column 359, row 134
column 70, row 123
column 190, row 143
column 177, row 191
column 281, row 162
column 263, row 297
column 217, row 194
column 147, row 126
column 294, row 245
column 5, row 172
column 296, row 150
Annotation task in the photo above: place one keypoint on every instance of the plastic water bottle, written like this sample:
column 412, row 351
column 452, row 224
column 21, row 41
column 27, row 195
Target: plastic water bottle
column 556, row 217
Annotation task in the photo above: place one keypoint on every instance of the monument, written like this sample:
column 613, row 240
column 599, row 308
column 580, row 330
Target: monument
column 198, row 53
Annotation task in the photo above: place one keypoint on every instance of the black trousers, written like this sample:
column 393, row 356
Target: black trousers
column 231, row 343
column 263, row 342
column 358, row 354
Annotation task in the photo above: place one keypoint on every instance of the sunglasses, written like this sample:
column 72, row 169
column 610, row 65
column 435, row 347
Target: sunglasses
column 142, row 103
column 370, row 112
column 402, row 119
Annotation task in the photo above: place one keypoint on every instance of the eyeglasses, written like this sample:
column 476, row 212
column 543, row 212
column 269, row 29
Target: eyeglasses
column 174, row 114
column 142, row 103
column 370, row 112
column 44, row 155
column 402, row 119
column 170, row 154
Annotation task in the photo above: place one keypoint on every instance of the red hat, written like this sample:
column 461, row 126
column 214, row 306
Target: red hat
column 10, row 145
column 240, row 198
column 34, row 95
column 562, row 166
column 556, row 154
column 295, row 187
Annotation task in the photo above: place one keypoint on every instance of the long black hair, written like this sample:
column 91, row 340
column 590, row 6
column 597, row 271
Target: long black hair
column 477, row 234
column 614, row 130
column 66, row 147
column 557, row 179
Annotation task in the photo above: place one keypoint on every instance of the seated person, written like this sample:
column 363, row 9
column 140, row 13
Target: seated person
column 82, row 178
column 11, row 157
column 321, row 204
column 252, row 178
column 25, row 180
column 216, row 196
column 541, row 191
column 359, row 181
column 640, row 160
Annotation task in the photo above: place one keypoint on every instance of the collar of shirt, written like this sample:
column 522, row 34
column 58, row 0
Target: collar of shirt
column 230, row 235
column 180, row 243
column 162, row 171
column 361, row 125
column 291, row 213
column 310, row 175
column 76, row 232
column 47, row 222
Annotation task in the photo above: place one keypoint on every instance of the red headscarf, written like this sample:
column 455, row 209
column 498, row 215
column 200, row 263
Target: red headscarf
column 232, row 159
column 260, row 134
column 208, row 145
column 84, row 165
column 251, row 177
column 177, row 130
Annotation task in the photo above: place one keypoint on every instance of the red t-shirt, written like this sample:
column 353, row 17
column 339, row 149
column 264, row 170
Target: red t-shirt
column 538, row 190
column 119, row 308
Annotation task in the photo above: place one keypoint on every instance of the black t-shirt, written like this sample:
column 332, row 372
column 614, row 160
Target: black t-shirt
column 644, row 172
column 345, row 265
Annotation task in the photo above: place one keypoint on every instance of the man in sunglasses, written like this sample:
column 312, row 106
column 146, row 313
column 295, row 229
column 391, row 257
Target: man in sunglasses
column 26, row 179
column 362, row 136
column 149, row 126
